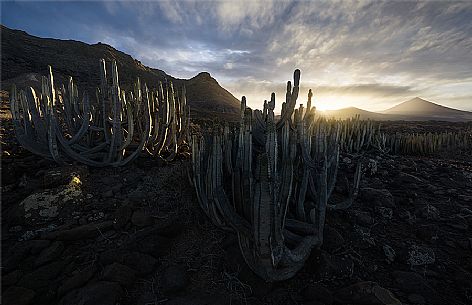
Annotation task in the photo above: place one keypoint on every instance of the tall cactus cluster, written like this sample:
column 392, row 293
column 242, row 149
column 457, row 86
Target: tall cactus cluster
column 110, row 131
column 359, row 136
column 429, row 143
column 356, row 135
column 270, row 181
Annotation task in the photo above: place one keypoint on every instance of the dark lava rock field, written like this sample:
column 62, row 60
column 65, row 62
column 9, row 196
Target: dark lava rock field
column 136, row 235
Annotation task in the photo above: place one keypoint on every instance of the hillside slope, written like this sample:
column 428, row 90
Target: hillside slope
column 25, row 57
column 418, row 107
column 350, row 112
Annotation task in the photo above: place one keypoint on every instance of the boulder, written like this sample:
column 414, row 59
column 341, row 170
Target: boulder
column 119, row 273
column 366, row 293
column 332, row 239
column 318, row 292
column 141, row 219
column 121, row 216
column 81, row 232
column 142, row 263
column 46, row 205
column 18, row 296
column 101, row 292
column 173, row 279
column 428, row 212
column 42, row 276
column 363, row 218
column 50, row 253
column 20, row 251
column 377, row 197
column 63, row 175
column 77, row 280
column 419, row 256
column 412, row 282
column 334, row 267
column 11, row 278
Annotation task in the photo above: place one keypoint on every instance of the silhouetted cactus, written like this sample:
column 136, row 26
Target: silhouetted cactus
column 245, row 182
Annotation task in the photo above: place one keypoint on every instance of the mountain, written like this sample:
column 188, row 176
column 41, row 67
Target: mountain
column 207, row 96
column 24, row 58
column 350, row 112
column 423, row 109
column 416, row 109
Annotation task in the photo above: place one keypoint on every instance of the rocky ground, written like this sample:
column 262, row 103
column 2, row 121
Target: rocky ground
column 135, row 235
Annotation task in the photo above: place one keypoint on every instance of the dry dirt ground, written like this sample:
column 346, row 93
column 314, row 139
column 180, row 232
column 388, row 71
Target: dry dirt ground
column 135, row 235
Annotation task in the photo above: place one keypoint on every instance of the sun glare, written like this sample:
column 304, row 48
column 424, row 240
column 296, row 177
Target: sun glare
column 333, row 102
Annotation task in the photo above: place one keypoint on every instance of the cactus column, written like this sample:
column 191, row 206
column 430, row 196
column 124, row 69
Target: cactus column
column 245, row 182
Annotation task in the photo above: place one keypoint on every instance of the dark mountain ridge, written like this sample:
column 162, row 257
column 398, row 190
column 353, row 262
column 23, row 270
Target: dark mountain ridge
column 25, row 57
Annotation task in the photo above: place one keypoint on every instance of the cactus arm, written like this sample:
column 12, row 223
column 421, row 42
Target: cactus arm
column 144, row 134
column 291, row 99
column 51, row 101
column 115, row 98
column 85, row 122
column 301, row 196
column 39, row 124
column 197, row 156
column 28, row 142
column 333, row 173
column 353, row 191
column 130, row 123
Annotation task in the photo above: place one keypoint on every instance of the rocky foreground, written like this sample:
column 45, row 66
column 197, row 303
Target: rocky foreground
column 135, row 235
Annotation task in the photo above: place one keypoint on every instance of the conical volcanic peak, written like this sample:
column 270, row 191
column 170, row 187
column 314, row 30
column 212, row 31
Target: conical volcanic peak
column 419, row 106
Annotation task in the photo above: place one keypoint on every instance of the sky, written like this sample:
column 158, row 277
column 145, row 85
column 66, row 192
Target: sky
column 366, row 54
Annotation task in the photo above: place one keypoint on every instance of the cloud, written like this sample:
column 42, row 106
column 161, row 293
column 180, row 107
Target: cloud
column 375, row 52
column 248, row 15
column 359, row 95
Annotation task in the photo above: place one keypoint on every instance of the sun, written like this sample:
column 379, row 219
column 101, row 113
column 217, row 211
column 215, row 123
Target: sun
column 333, row 102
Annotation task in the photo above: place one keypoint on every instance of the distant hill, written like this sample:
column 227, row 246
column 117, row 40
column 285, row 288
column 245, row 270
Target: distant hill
column 207, row 96
column 350, row 112
column 416, row 109
column 24, row 58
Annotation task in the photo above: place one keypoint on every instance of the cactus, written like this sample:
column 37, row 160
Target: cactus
column 170, row 122
column 110, row 132
column 245, row 182
column 429, row 143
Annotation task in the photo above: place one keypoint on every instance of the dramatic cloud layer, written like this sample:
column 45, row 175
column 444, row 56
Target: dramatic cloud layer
column 352, row 53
